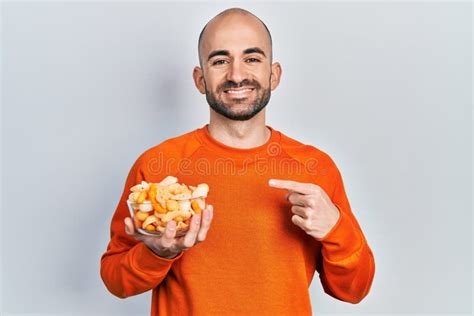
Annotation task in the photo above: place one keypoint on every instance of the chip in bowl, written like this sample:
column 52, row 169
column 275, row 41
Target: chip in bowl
column 153, row 205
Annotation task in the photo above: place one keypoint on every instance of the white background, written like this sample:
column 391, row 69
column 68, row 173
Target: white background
column 383, row 87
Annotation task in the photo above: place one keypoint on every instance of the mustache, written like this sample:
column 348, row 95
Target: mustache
column 245, row 83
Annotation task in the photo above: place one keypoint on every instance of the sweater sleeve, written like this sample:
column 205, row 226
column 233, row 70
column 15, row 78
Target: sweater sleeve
column 348, row 266
column 128, row 267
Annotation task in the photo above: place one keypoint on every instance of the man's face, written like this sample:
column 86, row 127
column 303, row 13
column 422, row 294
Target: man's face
column 236, row 65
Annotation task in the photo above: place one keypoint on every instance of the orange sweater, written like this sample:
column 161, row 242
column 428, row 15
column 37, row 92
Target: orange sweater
column 254, row 261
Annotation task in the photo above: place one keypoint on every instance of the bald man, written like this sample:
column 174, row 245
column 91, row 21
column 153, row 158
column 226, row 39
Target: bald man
column 276, row 212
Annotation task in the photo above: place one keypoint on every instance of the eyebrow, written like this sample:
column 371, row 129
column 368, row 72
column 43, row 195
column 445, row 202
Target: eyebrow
column 252, row 50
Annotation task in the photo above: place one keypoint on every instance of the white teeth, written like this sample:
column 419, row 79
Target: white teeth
column 239, row 91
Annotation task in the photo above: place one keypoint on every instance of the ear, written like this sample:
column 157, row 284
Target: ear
column 275, row 76
column 198, row 77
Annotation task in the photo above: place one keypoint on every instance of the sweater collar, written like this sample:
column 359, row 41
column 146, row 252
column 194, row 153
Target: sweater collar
column 270, row 148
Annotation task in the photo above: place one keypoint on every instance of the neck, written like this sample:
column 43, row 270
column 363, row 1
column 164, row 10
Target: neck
column 239, row 134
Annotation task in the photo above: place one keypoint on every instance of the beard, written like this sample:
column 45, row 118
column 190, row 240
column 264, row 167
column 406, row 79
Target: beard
column 252, row 108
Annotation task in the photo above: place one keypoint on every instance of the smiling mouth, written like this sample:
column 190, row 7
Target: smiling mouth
column 239, row 92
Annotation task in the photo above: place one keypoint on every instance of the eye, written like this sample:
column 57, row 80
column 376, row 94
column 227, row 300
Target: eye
column 218, row 62
column 254, row 59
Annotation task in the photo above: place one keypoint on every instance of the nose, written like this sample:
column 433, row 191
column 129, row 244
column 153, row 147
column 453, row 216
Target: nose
column 236, row 72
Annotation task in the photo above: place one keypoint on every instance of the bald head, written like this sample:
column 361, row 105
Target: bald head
column 237, row 19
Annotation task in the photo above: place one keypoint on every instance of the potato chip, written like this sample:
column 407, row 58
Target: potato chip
column 153, row 205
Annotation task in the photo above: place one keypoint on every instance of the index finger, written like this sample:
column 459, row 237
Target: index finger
column 205, row 222
column 303, row 188
column 190, row 238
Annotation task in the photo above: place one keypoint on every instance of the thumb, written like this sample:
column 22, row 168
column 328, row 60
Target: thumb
column 129, row 229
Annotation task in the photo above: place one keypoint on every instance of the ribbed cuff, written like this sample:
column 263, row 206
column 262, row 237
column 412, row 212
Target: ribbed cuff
column 342, row 240
column 148, row 261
